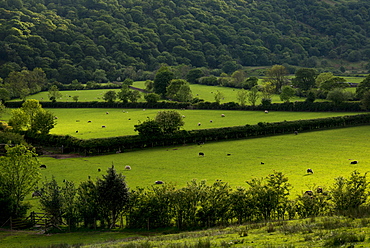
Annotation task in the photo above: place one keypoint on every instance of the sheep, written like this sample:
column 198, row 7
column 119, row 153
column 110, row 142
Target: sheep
column 310, row 171
column 88, row 121
column 99, row 169
column 106, row 113
column 43, row 166
column 210, row 121
column 262, row 163
column 309, row 193
column 76, row 131
column 36, row 194
column 199, row 124
column 266, row 111
column 354, row 162
column 222, row 115
column 229, row 154
column 183, row 116
column 127, row 167
column 158, row 182
column 201, row 154
column 103, row 126
column 295, row 132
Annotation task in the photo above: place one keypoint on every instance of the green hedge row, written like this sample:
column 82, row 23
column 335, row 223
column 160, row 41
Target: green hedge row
column 291, row 106
column 122, row 143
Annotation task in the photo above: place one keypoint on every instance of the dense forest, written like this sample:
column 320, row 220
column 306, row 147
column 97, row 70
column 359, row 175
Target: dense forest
column 108, row 40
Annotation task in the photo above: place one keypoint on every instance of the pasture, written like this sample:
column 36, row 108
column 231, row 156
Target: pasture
column 200, row 91
column 120, row 122
column 327, row 152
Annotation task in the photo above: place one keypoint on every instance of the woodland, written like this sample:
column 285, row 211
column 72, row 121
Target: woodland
column 110, row 40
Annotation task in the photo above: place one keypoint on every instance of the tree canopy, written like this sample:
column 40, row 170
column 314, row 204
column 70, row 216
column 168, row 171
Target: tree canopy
column 110, row 40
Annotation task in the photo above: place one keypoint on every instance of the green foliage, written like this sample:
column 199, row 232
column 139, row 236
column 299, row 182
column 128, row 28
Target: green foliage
column 363, row 87
column 270, row 197
column 277, row 75
column 253, row 95
column 194, row 75
column 162, row 80
column 152, row 97
column 218, row 97
column 179, row 90
column 19, row 173
column 242, row 96
column 148, row 128
column 287, row 92
column 32, row 117
column 349, row 194
column 365, row 101
column 110, row 96
column 305, row 78
column 112, row 195
column 169, row 121
column 54, row 93
column 338, row 96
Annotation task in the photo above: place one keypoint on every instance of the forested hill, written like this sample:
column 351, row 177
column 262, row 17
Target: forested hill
column 105, row 39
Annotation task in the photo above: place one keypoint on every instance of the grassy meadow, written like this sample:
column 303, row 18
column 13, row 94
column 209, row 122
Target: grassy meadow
column 120, row 122
column 328, row 153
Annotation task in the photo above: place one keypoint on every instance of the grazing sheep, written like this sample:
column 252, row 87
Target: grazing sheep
column 266, row 111
column 99, row 169
column 210, row 121
column 354, row 162
column 310, row 171
column 183, row 116
column 295, row 132
column 309, row 193
column 127, row 167
column 229, row 154
column 43, row 166
column 144, row 109
column 77, row 131
column 201, row 154
column 222, row 115
column 106, row 113
column 36, row 193
column 119, row 151
column 158, row 182
column 199, row 124
column 262, row 163
column 88, row 121
column 55, row 117
column 103, row 126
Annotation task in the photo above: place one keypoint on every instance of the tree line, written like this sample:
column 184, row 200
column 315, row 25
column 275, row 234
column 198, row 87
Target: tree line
column 104, row 41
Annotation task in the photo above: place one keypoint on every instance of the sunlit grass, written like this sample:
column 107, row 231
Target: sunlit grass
column 120, row 122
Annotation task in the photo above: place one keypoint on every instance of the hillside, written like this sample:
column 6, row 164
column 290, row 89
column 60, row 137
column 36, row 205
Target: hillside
column 103, row 40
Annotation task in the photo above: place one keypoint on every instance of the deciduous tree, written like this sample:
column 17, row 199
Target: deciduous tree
column 19, row 172
column 277, row 76
column 169, row 121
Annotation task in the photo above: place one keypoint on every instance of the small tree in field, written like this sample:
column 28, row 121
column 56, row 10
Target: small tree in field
column 110, row 96
column 169, row 121
column 112, row 194
column 253, row 96
column 242, row 95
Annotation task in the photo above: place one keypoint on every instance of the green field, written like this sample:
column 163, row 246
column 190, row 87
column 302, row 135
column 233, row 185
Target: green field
column 328, row 153
column 120, row 122
column 201, row 91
